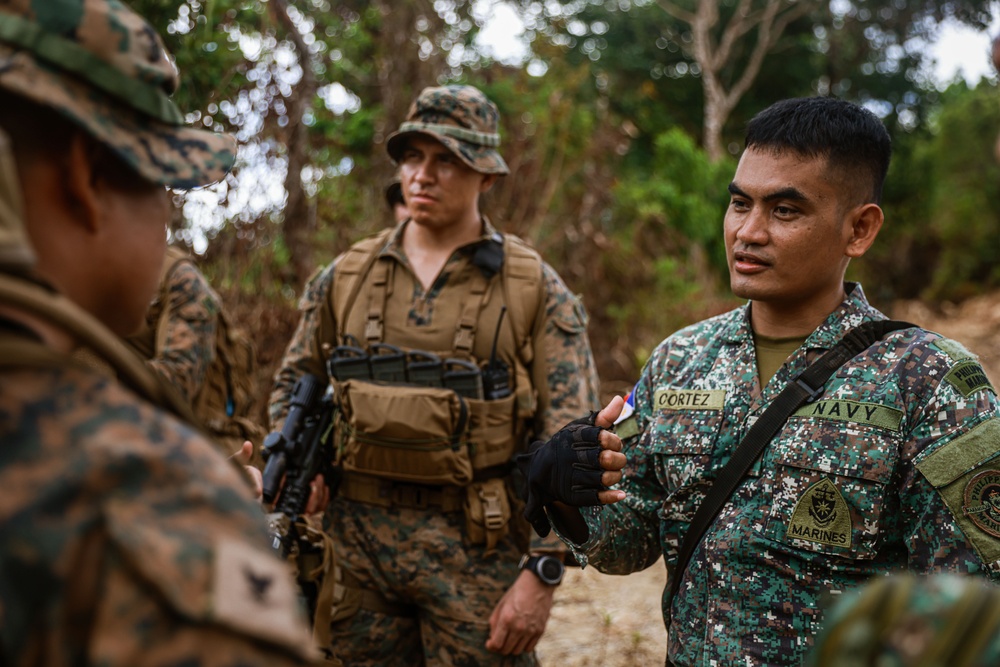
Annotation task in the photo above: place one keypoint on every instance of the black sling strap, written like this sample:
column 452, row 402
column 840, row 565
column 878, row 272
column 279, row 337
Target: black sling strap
column 807, row 387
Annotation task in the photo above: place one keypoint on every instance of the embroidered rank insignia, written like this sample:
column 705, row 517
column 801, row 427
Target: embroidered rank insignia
column 821, row 515
column 982, row 501
column 968, row 377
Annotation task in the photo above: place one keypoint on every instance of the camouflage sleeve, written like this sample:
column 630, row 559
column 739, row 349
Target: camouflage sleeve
column 572, row 375
column 304, row 353
column 136, row 542
column 624, row 537
column 950, row 496
column 186, row 345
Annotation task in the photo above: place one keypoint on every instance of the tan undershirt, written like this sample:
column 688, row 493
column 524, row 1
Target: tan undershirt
column 772, row 353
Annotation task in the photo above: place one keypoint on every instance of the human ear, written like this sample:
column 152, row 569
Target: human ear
column 488, row 181
column 81, row 188
column 865, row 222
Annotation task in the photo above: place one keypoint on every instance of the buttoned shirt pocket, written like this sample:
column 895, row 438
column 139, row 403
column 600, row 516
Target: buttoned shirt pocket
column 682, row 444
column 829, row 492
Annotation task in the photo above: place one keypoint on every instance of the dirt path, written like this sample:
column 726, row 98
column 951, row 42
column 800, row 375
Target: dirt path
column 602, row 620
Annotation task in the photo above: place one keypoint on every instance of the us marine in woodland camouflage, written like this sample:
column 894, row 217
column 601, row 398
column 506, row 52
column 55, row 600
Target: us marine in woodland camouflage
column 183, row 351
column 890, row 468
column 419, row 581
column 125, row 538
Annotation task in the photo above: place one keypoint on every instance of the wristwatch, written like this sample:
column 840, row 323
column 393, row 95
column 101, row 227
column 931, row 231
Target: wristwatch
column 547, row 568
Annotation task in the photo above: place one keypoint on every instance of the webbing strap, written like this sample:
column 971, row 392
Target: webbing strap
column 375, row 324
column 807, row 387
column 465, row 330
column 63, row 313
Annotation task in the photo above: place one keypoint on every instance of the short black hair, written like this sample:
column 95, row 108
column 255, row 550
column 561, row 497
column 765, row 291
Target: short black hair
column 394, row 195
column 849, row 136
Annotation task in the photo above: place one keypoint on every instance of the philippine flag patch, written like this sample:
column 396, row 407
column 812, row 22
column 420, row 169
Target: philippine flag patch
column 629, row 408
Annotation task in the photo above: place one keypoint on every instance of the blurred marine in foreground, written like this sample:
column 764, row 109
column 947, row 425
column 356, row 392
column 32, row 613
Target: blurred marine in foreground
column 125, row 538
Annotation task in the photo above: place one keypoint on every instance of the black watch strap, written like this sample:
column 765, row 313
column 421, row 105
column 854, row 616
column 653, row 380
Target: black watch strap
column 548, row 569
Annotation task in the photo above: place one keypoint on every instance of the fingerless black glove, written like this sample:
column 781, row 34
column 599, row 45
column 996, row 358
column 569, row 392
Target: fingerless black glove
column 564, row 469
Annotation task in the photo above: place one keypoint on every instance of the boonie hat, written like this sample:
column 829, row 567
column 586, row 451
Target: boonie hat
column 15, row 249
column 105, row 68
column 461, row 118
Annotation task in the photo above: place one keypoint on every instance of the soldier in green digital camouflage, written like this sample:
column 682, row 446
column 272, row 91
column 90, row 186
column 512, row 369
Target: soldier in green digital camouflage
column 909, row 621
column 427, row 533
column 895, row 466
column 125, row 538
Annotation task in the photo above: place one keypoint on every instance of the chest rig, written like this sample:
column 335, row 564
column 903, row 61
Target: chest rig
column 413, row 427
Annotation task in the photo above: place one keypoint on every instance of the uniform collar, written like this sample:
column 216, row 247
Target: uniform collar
column 393, row 246
column 853, row 310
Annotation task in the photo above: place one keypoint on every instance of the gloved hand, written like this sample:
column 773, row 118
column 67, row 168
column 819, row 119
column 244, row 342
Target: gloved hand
column 564, row 469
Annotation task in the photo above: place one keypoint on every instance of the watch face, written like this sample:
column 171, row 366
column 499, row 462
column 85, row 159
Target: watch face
column 551, row 569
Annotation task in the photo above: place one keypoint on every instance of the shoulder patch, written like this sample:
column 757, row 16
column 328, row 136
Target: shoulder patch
column 966, row 472
column 962, row 455
column 982, row 501
column 666, row 398
column 953, row 349
column 968, row 377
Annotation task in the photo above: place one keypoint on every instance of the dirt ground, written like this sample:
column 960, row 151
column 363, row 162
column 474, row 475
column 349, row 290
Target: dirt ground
column 611, row 621
column 600, row 620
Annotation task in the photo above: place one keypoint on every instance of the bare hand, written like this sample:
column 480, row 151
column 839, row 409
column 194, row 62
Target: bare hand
column 244, row 456
column 319, row 495
column 519, row 619
column 611, row 459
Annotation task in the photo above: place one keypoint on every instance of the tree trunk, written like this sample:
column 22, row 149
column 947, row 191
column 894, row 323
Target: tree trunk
column 713, row 48
column 298, row 222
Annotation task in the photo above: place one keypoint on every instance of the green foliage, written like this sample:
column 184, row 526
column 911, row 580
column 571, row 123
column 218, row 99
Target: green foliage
column 964, row 212
column 666, row 260
column 607, row 178
column 684, row 191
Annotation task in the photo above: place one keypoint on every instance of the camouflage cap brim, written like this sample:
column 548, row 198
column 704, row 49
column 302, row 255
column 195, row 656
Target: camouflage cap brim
column 172, row 155
column 484, row 159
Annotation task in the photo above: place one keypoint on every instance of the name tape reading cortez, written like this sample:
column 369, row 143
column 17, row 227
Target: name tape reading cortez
column 689, row 399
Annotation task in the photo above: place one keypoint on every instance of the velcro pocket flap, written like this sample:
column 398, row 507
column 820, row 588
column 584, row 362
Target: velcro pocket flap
column 405, row 433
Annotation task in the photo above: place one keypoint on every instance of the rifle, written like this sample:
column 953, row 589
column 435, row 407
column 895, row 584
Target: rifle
column 295, row 455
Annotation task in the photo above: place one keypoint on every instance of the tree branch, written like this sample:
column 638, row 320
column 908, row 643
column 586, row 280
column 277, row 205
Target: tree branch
column 677, row 12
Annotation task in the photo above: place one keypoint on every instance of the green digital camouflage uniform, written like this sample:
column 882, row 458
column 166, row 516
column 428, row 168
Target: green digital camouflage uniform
column 186, row 350
column 910, row 621
column 125, row 539
column 877, row 475
column 417, row 558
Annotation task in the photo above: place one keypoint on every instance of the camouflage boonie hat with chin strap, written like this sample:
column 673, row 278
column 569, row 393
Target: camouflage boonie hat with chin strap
column 105, row 68
column 461, row 118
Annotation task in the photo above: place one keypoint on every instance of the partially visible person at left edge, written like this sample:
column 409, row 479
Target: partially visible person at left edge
column 125, row 538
